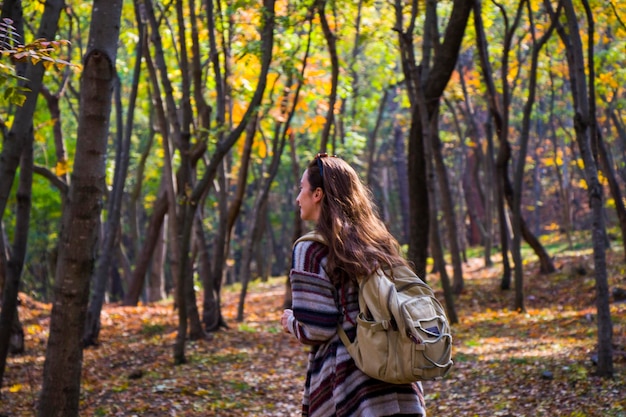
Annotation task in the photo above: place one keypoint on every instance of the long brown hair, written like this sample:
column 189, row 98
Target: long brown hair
column 359, row 242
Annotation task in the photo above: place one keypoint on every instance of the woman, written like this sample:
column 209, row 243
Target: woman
column 325, row 293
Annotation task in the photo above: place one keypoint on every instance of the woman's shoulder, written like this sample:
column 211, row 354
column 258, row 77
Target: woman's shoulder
column 309, row 255
column 310, row 248
column 312, row 236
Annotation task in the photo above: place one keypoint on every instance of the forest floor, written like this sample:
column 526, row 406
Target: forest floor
column 536, row 363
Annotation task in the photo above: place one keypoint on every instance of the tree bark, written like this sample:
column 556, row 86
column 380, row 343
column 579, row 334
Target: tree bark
column 401, row 168
column 122, row 160
column 17, row 142
column 15, row 264
column 584, row 126
column 254, row 225
column 607, row 170
column 436, row 245
column 334, row 78
column 432, row 78
column 155, row 285
column 21, row 127
column 63, row 364
column 518, row 181
column 153, row 232
column 212, row 315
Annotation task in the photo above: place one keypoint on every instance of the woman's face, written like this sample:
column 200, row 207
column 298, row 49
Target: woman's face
column 309, row 200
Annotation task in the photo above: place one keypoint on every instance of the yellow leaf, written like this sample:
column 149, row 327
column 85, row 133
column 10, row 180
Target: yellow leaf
column 261, row 148
column 33, row 329
column 15, row 388
column 61, row 168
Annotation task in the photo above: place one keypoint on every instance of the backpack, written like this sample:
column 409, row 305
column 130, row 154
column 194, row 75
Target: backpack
column 402, row 332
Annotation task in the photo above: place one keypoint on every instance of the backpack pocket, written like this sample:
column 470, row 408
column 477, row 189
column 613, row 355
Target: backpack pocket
column 379, row 354
column 429, row 330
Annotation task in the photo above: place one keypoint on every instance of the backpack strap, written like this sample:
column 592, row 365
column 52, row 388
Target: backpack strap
column 314, row 236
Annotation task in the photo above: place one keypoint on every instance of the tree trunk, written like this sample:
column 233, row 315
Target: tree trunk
column 448, row 210
column 334, row 78
column 614, row 115
column 211, row 307
column 153, row 234
column 298, row 226
column 562, row 177
column 62, row 368
column 21, row 127
column 500, row 114
column 155, row 290
column 402, row 170
column 15, row 264
column 172, row 132
column 518, row 182
column 435, row 238
column 371, row 139
column 477, row 189
column 433, row 78
column 122, row 160
column 490, row 194
column 255, row 225
column 190, row 202
column 585, row 125
column 608, row 172
column 212, row 315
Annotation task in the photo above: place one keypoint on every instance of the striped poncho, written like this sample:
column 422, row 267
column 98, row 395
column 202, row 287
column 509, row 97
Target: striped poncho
column 334, row 385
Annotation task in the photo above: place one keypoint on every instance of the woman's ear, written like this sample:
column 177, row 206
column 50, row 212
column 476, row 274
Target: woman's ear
column 318, row 194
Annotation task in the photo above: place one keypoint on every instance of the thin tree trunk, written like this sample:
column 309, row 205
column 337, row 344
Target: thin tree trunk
column 122, row 161
column 155, row 290
column 298, row 226
column 143, row 258
column 190, row 202
column 585, row 125
column 62, row 368
column 433, row 76
column 401, row 168
column 19, row 135
column 255, row 226
column 562, row 177
column 418, row 191
column 499, row 112
column 518, row 184
column 334, row 77
column 609, row 174
column 621, row 132
column 171, row 130
column 211, row 307
column 448, row 210
column 435, row 237
column 186, row 174
column 371, row 139
column 15, row 264
column 490, row 191
column 212, row 315
column 11, row 265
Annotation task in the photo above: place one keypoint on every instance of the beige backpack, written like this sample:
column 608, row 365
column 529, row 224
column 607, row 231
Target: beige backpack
column 402, row 332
